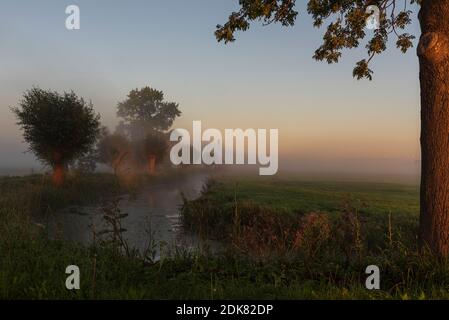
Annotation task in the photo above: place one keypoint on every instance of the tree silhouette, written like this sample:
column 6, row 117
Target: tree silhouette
column 145, row 111
column 58, row 127
column 153, row 149
column 112, row 149
column 345, row 31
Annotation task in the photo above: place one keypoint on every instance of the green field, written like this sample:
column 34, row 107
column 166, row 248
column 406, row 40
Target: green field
column 379, row 205
column 305, row 196
column 282, row 238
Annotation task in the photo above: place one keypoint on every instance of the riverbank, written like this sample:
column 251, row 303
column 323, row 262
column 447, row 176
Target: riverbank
column 328, row 262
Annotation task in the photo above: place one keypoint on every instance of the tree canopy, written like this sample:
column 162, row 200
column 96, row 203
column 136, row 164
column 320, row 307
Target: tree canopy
column 345, row 31
column 145, row 111
column 58, row 127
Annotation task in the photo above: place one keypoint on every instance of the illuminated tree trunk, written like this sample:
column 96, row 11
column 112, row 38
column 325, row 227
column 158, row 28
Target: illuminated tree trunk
column 58, row 175
column 58, row 169
column 433, row 52
column 152, row 164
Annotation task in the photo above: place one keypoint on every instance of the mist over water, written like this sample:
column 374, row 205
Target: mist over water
column 375, row 169
column 153, row 215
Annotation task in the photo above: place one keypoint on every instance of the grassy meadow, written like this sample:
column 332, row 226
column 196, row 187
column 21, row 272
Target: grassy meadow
column 283, row 239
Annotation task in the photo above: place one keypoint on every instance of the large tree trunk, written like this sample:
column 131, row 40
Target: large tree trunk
column 433, row 52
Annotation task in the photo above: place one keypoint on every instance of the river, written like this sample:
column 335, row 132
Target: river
column 153, row 215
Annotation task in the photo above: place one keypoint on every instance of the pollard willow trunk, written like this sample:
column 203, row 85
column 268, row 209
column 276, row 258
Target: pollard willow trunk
column 151, row 164
column 58, row 175
column 433, row 52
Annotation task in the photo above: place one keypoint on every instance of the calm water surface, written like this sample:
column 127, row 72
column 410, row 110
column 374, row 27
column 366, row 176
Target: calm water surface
column 153, row 213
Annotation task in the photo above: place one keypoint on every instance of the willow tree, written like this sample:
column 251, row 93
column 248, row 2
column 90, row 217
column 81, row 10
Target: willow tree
column 155, row 147
column 346, row 30
column 112, row 149
column 59, row 128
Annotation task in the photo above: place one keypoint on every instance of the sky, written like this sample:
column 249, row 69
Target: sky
column 327, row 120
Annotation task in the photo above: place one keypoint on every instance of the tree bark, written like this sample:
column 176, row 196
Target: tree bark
column 433, row 52
column 152, row 164
column 58, row 175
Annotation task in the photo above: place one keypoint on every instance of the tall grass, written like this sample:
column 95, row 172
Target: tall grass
column 273, row 253
column 323, row 247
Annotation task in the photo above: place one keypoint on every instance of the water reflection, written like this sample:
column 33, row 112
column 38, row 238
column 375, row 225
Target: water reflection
column 154, row 212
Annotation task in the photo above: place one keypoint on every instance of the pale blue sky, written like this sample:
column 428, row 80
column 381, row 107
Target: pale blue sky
column 267, row 79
